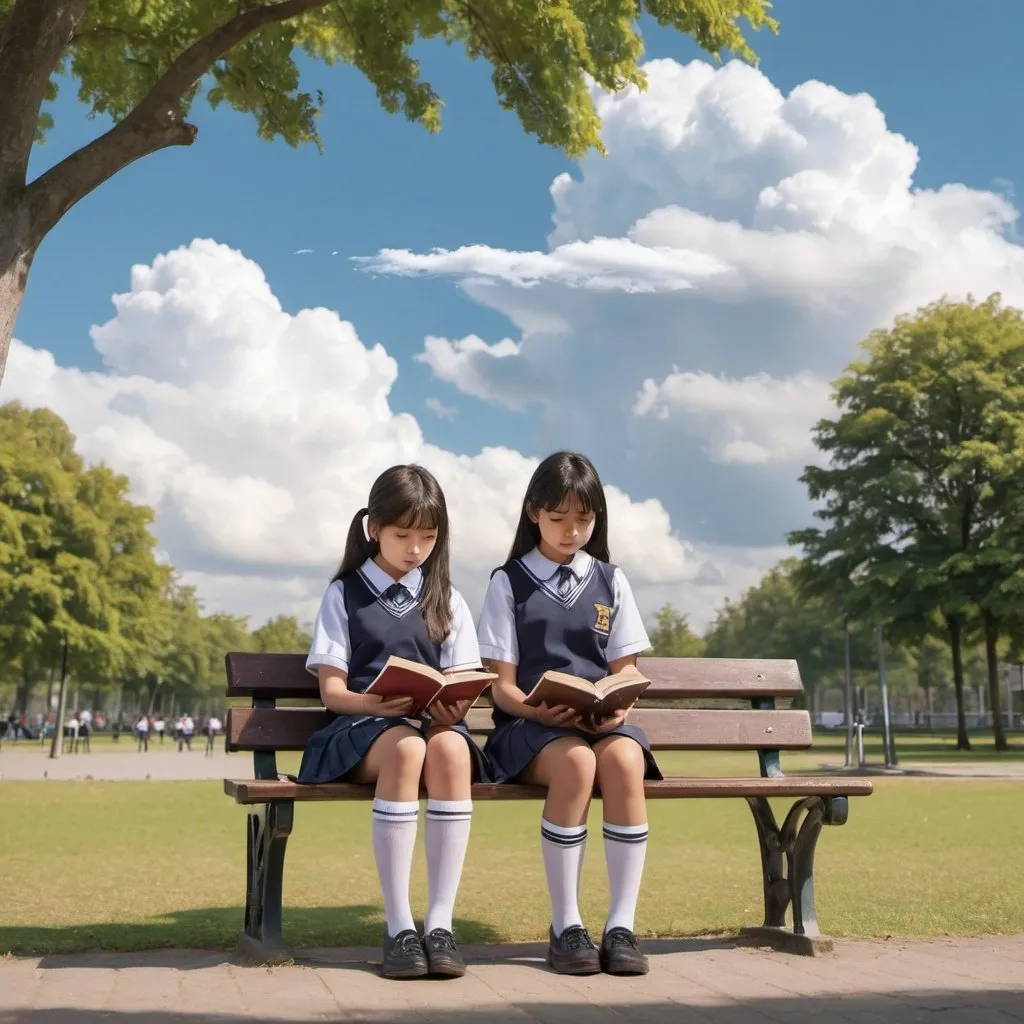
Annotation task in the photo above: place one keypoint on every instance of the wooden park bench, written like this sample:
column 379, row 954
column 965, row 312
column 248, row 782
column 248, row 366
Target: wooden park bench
column 744, row 716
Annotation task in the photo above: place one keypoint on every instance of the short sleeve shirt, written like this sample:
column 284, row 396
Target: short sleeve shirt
column 497, row 627
column 331, row 646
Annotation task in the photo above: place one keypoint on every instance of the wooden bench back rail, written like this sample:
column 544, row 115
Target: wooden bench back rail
column 667, row 729
column 276, row 676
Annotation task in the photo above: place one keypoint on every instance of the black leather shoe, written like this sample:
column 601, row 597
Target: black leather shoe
column 404, row 956
column 443, row 957
column 620, row 954
column 573, row 952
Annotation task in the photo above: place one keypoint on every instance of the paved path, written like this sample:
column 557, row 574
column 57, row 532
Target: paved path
column 968, row 981
column 22, row 763
column 28, row 762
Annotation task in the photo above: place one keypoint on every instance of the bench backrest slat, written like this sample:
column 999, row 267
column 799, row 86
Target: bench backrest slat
column 285, row 676
column 667, row 729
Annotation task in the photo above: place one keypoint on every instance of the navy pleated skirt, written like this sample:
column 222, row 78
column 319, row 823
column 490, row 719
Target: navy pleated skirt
column 513, row 745
column 333, row 751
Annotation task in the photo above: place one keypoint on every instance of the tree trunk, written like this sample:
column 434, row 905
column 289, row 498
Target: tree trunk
column 955, row 627
column 929, row 705
column 16, row 252
column 994, row 695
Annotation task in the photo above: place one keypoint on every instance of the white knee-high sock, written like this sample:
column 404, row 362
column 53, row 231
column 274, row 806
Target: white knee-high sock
column 447, row 836
column 625, row 848
column 394, row 838
column 563, row 848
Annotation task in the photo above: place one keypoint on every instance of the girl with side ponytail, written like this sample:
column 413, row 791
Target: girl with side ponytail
column 392, row 595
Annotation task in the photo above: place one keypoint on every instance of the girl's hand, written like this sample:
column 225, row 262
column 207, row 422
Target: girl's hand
column 558, row 717
column 387, row 707
column 449, row 714
column 608, row 723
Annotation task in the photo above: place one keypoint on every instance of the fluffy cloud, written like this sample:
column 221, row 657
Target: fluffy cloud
column 256, row 435
column 757, row 419
column 734, row 245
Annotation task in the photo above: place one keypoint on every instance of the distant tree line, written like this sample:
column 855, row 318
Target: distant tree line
column 78, row 569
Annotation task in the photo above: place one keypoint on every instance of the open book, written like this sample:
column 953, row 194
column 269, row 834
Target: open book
column 597, row 700
column 403, row 678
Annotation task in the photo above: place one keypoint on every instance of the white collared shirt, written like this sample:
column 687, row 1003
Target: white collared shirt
column 331, row 644
column 497, row 628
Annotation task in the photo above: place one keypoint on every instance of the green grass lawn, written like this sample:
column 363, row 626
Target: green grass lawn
column 129, row 865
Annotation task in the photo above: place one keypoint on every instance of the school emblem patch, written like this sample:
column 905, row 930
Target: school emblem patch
column 603, row 622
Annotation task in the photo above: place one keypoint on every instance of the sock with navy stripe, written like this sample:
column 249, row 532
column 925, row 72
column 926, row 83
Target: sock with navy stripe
column 447, row 836
column 563, row 848
column 394, row 838
column 625, row 849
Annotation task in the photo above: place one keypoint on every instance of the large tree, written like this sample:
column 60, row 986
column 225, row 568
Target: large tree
column 143, row 64
column 919, row 495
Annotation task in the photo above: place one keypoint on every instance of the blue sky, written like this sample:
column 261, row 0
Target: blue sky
column 384, row 183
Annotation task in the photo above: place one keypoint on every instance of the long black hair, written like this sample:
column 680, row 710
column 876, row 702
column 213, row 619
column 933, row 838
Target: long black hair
column 558, row 477
column 410, row 498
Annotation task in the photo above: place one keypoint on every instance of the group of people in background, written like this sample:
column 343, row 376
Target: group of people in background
column 80, row 725
column 183, row 730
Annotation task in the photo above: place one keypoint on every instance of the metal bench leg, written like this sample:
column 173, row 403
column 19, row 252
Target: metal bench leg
column 787, row 867
column 267, row 831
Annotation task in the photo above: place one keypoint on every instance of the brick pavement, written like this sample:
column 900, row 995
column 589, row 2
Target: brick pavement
column 962, row 981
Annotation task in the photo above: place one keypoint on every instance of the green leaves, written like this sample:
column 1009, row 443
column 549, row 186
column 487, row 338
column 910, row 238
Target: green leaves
column 544, row 54
column 673, row 638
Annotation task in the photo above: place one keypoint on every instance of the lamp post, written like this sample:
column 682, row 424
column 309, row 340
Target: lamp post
column 848, row 694
column 890, row 747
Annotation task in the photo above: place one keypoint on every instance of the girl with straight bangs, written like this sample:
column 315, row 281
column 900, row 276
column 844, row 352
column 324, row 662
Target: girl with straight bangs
column 558, row 603
column 393, row 595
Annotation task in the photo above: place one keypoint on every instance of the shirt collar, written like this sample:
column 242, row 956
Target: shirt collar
column 544, row 569
column 381, row 580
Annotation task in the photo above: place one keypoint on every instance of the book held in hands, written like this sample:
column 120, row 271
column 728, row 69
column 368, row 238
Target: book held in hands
column 616, row 692
column 403, row 678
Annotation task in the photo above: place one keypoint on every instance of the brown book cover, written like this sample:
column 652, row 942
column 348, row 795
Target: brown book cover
column 616, row 692
column 403, row 678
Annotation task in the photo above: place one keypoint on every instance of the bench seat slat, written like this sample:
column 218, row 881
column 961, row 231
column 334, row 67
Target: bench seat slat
column 248, row 791
column 667, row 729
column 285, row 675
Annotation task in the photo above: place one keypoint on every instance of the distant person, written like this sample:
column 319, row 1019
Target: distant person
column 115, row 728
column 159, row 727
column 142, row 732
column 186, row 727
column 85, row 728
column 213, row 727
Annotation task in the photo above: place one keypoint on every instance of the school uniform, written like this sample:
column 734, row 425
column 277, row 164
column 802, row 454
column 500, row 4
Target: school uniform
column 574, row 617
column 363, row 619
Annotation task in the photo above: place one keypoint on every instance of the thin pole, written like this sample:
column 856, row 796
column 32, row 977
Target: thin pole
column 57, row 746
column 890, row 748
column 848, row 696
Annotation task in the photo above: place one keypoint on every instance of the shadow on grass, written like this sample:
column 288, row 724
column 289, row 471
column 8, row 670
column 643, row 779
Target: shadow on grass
column 216, row 928
column 941, row 1006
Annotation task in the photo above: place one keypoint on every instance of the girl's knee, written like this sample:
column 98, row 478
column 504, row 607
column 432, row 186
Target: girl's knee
column 575, row 766
column 446, row 748
column 622, row 759
column 407, row 750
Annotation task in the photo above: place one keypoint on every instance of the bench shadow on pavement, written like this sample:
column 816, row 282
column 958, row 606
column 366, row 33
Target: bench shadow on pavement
column 938, row 1007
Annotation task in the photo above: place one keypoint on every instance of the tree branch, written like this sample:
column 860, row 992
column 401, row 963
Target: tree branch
column 155, row 123
column 32, row 38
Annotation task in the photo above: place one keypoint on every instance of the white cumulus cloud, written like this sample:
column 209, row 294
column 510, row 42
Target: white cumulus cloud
column 721, row 263
column 757, row 419
column 256, row 435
